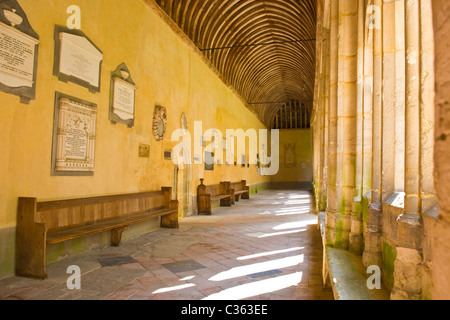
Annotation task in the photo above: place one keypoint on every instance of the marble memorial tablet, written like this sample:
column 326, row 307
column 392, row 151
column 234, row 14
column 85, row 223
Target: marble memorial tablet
column 18, row 52
column 77, row 59
column 74, row 136
column 122, row 100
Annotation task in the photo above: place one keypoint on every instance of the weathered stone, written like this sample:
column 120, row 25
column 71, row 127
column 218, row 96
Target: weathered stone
column 408, row 273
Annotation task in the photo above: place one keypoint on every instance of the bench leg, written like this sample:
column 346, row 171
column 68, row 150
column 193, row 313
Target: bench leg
column 246, row 196
column 170, row 221
column 226, row 202
column 31, row 244
column 116, row 236
column 204, row 205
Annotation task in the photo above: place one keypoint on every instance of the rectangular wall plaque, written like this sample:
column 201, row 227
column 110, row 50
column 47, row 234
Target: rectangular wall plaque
column 167, row 154
column 74, row 136
column 77, row 58
column 144, row 151
column 18, row 52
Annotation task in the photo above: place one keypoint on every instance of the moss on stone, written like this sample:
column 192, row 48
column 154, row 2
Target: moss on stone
column 389, row 254
column 339, row 234
column 365, row 209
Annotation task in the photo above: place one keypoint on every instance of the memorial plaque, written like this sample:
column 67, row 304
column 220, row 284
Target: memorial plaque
column 167, row 154
column 77, row 58
column 122, row 98
column 74, row 136
column 144, row 151
column 18, row 52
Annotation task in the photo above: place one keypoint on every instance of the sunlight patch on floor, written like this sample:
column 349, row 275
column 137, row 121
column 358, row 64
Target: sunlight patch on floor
column 258, row 288
column 258, row 267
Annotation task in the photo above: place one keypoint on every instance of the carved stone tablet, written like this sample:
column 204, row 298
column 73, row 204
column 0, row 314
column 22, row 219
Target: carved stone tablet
column 77, row 58
column 18, row 52
column 122, row 98
column 74, row 136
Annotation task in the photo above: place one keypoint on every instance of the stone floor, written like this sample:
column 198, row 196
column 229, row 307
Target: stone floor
column 266, row 248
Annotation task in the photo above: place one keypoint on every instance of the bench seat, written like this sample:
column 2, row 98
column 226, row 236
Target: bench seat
column 59, row 236
column 220, row 197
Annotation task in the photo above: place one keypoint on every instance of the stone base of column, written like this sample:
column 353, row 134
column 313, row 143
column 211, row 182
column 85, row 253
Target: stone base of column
column 408, row 268
column 372, row 236
column 338, row 227
column 407, row 275
column 410, row 231
column 356, row 244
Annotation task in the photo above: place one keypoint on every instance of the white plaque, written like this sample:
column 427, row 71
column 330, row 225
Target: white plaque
column 80, row 59
column 75, row 136
column 123, row 99
column 17, row 57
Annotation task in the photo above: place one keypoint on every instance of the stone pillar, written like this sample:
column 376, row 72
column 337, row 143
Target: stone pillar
column 372, row 250
column 427, row 110
column 332, row 126
column 325, row 100
column 399, row 115
column 343, row 84
column 356, row 239
column 347, row 113
column 389, row 91
column 409, row 236
column 441, row 233
column 320, row 110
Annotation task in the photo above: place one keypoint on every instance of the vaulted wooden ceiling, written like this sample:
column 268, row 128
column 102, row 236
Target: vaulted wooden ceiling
column 264, row 49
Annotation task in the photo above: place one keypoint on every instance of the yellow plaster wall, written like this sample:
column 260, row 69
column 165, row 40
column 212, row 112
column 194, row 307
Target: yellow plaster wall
column 303, row 156
column 166, row 71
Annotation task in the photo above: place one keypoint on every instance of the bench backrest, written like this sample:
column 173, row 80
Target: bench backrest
column 237, row 186
column 76, row 212
column 215, row 190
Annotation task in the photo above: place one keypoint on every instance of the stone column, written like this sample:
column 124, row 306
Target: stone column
column 389, row 91
column 427, row 114
column 372, row 251
column 407, row 284
column 332, row 125
column 441, row 233
column 400, row 95
column 356, row 239
column 346, row 120
column 320, row 110
column 324, row 116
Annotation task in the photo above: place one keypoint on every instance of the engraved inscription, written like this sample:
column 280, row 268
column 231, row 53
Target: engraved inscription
column 77, row 140
column 17, row 56
column 80, row 59
column 76, row 137
column 123, row 102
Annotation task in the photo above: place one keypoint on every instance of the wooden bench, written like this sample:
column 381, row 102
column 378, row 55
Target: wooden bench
column 208, row 194
column 240, row 190
column 44, row 223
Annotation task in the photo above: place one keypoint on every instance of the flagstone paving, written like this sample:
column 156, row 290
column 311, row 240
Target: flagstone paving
column 266, row 248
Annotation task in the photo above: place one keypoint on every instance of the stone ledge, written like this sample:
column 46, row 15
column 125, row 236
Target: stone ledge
column 348, row 277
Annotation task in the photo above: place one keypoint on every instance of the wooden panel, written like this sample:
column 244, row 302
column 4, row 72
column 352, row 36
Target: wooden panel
column 63, row 214
column 30, row 241
column 106, row 225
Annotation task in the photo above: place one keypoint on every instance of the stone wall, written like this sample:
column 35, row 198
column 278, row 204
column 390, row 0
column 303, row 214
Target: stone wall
column 373, row 125
column 441, row 230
